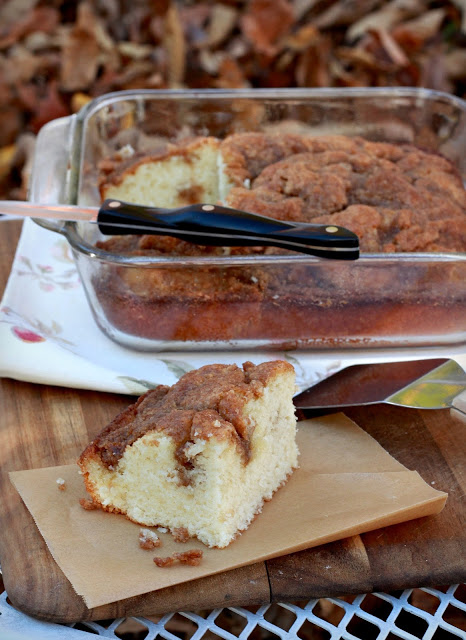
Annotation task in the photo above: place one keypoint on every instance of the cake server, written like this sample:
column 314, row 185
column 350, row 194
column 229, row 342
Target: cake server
column 205, row 224
column 420, row 384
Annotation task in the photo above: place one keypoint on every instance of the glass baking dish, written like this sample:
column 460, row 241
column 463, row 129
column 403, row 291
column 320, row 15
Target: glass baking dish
column 256, row 301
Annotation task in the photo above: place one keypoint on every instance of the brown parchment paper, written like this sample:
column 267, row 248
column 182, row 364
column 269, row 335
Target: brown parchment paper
column 346, row 484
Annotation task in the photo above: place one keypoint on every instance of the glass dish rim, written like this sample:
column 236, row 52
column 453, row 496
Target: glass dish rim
column 268, row 93
column 79, row 244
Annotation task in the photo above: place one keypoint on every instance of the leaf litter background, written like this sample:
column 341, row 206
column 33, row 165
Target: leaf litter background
column 57, row 55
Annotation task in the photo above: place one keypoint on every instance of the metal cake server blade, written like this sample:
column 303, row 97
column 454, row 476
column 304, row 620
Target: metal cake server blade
column 419, row 384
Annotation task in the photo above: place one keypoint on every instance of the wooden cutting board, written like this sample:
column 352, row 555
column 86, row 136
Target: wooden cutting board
column 44, row 426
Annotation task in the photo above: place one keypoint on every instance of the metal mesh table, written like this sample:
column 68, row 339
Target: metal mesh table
column 412, row 614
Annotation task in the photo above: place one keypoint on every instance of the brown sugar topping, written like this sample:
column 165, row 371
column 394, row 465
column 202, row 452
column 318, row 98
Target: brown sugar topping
column 413, row 198
column 204, row 402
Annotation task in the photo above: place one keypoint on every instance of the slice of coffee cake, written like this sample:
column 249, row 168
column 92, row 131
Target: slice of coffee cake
column 202, row 455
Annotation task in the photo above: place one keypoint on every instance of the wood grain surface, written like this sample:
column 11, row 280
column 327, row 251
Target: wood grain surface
column 43, row 425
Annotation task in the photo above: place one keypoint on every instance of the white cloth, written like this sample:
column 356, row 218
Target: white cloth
column 48, row 334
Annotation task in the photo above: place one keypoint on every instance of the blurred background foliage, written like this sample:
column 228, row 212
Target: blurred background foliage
column 57, row 55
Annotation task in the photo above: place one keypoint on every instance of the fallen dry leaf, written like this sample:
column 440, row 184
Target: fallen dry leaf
column 175, row 45
column 43, row 19
column 6, row 159
column 455, row 64
column 13, row 12
column 28, row 95
column 433, row 73
column 301, row 7
column 394, row 52
column 80, row 53
column 223, row 19
column 134, row 50
column 360, row 57
column 48, row 107
column 23, row 160
column 313, row 66
column 462, row 8
column 79, row 100
column 23, row 64
column 389, row 15
column 230, row 75
column 412, row 34
column 210, row 61
column 344, row 12
column 264, row 22
column 303, row 38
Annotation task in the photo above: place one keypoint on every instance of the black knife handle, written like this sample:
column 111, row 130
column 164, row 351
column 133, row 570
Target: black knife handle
column 208, row 224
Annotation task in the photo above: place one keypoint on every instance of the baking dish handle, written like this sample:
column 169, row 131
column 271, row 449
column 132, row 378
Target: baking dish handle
column 51, row 170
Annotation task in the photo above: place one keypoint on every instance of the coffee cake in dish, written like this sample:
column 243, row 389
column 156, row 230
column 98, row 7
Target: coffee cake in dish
column 396, row 198
column 201, row 456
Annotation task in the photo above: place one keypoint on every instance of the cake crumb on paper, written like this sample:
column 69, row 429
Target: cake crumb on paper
column 149, row 539
column 192, row 557
column 180, row 534
column 88, row 505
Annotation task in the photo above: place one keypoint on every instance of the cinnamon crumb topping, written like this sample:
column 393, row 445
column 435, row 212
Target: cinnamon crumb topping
column 61, row 484
column 212, row 394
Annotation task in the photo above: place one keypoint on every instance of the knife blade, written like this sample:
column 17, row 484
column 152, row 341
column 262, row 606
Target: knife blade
column 205, row 224
column 420, row 384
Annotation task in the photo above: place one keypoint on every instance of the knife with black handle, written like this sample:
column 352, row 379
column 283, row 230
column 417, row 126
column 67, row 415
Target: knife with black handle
column 204, row 224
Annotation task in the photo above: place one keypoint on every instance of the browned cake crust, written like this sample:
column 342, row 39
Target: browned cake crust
column 212, row 394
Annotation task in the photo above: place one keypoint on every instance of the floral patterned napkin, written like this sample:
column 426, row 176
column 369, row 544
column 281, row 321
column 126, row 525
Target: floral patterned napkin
column 48, row 334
